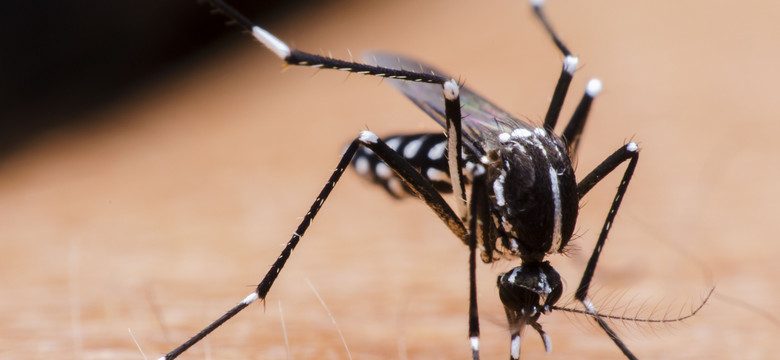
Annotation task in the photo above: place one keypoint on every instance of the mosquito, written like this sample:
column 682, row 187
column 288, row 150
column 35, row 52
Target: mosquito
column 514, row 187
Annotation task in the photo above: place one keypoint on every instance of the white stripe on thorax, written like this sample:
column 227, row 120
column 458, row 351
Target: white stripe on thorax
column 556, row 191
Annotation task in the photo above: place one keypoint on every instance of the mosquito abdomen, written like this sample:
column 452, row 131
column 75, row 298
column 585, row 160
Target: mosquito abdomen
column 426, row 152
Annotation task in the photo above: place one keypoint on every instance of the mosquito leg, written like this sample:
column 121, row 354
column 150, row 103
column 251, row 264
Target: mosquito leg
column 567, row 72
column 577, row 122
column 537, row 5
column 478, row 198
column 416, row 182
column 559, row 94
column 455, row 144
column 575, row 126
column 297, row 57
column 478, row 206
column 265, row 285
column 629, row 151
column 421, row 187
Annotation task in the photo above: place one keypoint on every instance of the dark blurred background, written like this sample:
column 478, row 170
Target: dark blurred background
column 64, row 59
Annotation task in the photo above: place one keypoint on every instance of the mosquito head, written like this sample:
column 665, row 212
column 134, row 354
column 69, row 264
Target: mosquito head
column 529, row 290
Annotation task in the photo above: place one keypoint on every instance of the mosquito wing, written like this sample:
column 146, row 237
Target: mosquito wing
column 482, row 120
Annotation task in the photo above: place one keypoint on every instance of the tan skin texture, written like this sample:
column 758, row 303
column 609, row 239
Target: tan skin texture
column 165, row 213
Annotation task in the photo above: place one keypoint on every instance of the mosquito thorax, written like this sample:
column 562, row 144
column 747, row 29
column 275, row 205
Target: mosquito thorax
column 533, row 192
column 530, row 290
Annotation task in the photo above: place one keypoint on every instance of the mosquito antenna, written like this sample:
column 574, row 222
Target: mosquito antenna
column 634, row 319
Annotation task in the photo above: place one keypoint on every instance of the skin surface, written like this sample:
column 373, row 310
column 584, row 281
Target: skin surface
column 166, row 212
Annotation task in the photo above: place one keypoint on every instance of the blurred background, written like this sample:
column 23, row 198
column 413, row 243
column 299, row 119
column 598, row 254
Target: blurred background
column 153, row 161
column 65, row 60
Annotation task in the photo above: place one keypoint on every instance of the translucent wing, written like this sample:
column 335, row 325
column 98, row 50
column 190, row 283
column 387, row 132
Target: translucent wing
column 482, row 120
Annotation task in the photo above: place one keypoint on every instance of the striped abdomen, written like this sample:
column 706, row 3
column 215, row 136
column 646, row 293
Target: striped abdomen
column 426, row 152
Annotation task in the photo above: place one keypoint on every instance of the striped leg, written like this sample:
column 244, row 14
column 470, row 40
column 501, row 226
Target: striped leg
column 479, row 212
column 577, row 122
column 300, row 58
column 569, row 67
column 571, row 134
column 627, row 152
column 414, row 180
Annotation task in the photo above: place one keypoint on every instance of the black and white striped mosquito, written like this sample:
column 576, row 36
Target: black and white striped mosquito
column 515, row 192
